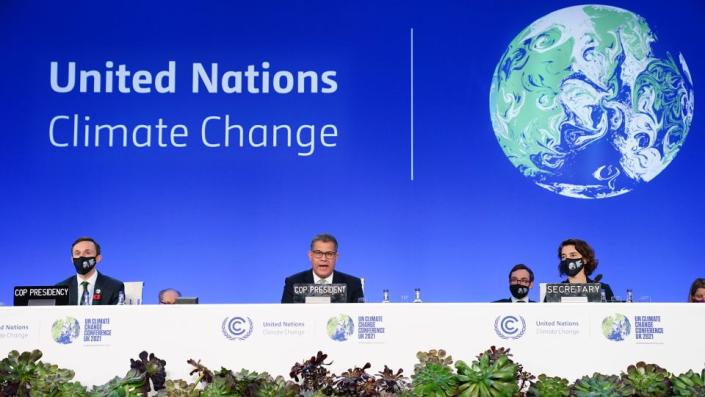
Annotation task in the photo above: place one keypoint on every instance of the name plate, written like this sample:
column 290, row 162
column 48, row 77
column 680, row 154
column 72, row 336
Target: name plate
column 566, row 292
column 41, row 296
column 320, row 293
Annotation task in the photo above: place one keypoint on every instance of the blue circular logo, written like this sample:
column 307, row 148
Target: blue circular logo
column 237, row 328
column 65, row 330
column 616, row 327
column 340, row 328
column 510, row 327
column 584, row 106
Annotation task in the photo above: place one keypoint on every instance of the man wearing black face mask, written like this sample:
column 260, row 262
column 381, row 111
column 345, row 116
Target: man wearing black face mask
column 88, row 286
column 521, row 279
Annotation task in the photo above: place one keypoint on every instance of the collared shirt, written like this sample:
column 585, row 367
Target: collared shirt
column 316, row 279
column 525, row 300
column 90, row 287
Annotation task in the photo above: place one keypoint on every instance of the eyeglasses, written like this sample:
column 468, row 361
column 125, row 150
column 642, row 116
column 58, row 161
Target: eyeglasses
column 524, row 281
column 320, row 254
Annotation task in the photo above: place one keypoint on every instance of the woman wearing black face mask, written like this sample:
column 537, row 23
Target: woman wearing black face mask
column 578, row 262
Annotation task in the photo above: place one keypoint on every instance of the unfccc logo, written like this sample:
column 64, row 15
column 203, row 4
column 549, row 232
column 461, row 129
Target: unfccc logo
column 237, row 328
column 510, row 327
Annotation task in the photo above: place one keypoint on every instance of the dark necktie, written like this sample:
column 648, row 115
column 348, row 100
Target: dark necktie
column 84, row 294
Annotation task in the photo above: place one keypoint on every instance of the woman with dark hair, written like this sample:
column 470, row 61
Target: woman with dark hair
column 578, row 262
column 697, row 291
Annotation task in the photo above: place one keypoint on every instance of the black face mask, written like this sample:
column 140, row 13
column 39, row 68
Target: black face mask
column 84, row 264
column 572, row 267
column 519, row 291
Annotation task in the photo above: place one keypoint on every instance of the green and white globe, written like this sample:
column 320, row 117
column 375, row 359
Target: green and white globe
column 582, row 105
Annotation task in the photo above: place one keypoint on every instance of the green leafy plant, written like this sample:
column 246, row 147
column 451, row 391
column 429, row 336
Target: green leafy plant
column 487, row 378
column 433, row 375
column 599, row 385
column 179, row 388
column 647, row 380
column 17, row 371
column 278, row 387
column 689, row 384
column 549, row 386
column 130, row 385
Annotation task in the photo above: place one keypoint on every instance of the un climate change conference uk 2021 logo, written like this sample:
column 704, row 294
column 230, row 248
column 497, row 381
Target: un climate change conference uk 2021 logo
column 340, row 328
column 237, row 328
column 582, row 106
column 65, row 330
column 616, row 327
column 510, row 327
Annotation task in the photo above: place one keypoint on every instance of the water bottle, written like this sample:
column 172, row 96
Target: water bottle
column 630, row 296
column 417, row 295
column 85, row 299
column 385, row 296
column 121, row 298
column 603, row 296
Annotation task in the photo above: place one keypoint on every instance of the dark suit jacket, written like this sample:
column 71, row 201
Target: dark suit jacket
column 108, row 286
column 306, row 277
column 509, row 300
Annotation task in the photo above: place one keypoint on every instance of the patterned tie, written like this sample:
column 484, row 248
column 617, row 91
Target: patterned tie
column 322, row 281
column 84, row 294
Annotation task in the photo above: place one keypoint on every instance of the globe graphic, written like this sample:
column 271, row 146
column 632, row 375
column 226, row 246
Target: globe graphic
column 581, row 104
column 340, row 327
column 616, row 327
column 65, row 330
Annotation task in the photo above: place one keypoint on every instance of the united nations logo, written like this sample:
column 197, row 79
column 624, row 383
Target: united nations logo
column 340, row 327
column 510, row 327
column 65, row 330
column 237, row 328
column 616, row 327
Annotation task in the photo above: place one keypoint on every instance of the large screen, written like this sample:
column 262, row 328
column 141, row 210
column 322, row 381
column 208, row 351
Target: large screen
column 203, row 144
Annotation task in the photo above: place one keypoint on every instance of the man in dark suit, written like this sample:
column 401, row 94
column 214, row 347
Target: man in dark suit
column 521, row 280
column 88, row 286
column 323, row 256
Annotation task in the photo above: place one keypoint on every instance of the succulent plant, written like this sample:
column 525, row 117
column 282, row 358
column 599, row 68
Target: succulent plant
column 17, row 371
column 390, row 382
column 432, row 356
column 355, row 382
column 278, row 387
column 689, row 384
column 313, row 375
column 130, row 385
column 647, row 380
column 434, row 380
column 179, row 388
column 549, row 386
column 153, row 369
column 50, row 381
column 599, row 385
column 487, row 377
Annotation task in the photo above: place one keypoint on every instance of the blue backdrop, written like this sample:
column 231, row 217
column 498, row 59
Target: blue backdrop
column 228, row 224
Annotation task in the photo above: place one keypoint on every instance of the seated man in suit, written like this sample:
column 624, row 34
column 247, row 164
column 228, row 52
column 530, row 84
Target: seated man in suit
column 323, row 256
column 101, row 289
column 521, row 279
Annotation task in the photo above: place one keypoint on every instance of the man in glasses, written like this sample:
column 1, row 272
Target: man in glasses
column 521, row 279
column 323, row 255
